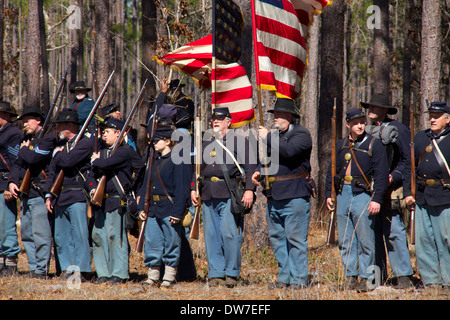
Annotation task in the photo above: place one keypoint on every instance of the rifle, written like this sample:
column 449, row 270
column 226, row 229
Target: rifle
column 331, row 238
column 57, row 184
column 194, row 234
column 412, row 228
column 26, row 181
column 148, row 186
column 99, row 193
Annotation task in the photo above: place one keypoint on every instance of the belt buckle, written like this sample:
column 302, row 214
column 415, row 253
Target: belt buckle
column 348, row 178
column 430, row 182
column 156, row 197
column 215, row 179
column 271, row 179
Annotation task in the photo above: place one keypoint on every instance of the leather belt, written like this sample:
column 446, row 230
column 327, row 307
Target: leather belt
column 157, row 197
column 111, row 195
column 432, row 182
column 217, row 179
column 287, row 177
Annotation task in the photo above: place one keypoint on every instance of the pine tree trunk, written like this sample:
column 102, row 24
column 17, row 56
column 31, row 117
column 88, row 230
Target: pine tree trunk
column 45, row 90
column 1, row 49
column 102, row 62
column 149, row 37
column 311, row 102
column 381, row 51
column 331, row 84
column 430, row 55
column 32, row 62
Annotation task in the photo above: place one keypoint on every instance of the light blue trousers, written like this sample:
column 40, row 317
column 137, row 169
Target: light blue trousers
column 223, row 238
column 9, row 242
column 36, row 234
column 355, row 233
column 71, row 237
column 288, row 223
column 162, row 243
column 110, row 248
column 433, row 244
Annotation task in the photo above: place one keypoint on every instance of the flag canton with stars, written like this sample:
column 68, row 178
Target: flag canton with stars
column 229, row 23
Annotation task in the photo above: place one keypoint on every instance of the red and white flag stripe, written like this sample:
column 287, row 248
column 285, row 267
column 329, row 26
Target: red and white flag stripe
column 233, row 88
column 281, row 30
column 234, row 91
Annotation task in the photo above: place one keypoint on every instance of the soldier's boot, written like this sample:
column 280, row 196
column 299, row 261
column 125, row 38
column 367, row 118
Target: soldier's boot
column 403, row 282
column 169, row 276
column 10, row 266
column 153, row 276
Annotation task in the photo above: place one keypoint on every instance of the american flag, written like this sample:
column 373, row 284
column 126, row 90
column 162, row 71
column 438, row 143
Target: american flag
column 233, row 88
column 280, row 29
column 193, row 59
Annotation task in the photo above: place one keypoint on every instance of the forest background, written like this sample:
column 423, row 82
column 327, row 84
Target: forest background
column 355, row 49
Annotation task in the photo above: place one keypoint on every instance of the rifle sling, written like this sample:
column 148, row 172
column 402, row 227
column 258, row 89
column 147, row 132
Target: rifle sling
column 441, row 160
column 357, row 164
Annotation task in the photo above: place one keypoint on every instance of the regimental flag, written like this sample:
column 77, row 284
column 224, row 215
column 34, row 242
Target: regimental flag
column 233, row 88
column 228, row 23
column 281, row 29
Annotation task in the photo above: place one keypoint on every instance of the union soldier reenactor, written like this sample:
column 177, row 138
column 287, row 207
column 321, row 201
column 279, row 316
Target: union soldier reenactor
column 169, row 199
column 391, row 226
column 222, row 228
column 288, row 198
column 182, row 113
column 113, row 111
column 10, row 139
column 432, row 215
column 34, row 158
column 83, row 104
column 69, row 207
column 109, row 236
column 362, row 177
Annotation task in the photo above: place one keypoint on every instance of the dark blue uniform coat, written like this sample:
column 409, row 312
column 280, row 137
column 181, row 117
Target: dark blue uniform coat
column 37, row 157
column 374, row 167
column 75, row 165
column 295, row 146
column 429, row 168
column 10, row 139
column 176, row 179
column 244, row 157
column 118, row 164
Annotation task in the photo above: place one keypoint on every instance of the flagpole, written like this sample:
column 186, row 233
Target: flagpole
column 258, row 83
column 213, row 60
column 258, row 89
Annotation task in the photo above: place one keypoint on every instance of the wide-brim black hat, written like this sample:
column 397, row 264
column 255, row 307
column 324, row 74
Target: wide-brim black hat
column 78, row 85
column 285, row 105
column 176, row 84
column 67, row 115
column 6, row 107
column 380, row 100
column 31, row 111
